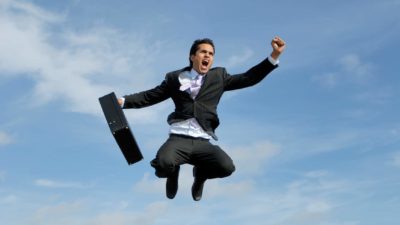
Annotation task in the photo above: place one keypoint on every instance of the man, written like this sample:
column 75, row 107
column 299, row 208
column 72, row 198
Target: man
column 196, row 91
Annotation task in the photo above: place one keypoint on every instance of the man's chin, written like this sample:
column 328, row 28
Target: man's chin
column 204, row 70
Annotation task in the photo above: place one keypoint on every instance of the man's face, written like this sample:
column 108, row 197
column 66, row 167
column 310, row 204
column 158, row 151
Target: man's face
column 203, row 58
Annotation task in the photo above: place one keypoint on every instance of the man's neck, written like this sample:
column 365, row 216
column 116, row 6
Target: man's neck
column 195, row 72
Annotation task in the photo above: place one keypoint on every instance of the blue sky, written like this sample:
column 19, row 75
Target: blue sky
column 317, row 142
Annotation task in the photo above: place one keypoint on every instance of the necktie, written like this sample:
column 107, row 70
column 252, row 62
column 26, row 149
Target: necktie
column 195, row 86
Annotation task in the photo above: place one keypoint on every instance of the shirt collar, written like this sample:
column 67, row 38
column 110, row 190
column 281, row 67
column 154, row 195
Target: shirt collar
column 193, row 73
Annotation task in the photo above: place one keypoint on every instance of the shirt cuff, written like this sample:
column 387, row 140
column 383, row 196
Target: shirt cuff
column 123, row 102
column 273, row 61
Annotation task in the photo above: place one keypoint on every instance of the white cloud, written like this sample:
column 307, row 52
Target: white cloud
column 58, row 184
column 318, row 143
column 251, row 158
column 378, row 96
column 351, row 69
column 5, row 138
column 318, row 207
column 73, row 67
column 316, row 174
column 153, row 212
column 225, row 188
column 9, row 199
column 151, row 185
column 2, row 176
column 316, row 182
column 395, row 161
column 81, row 212
column 395, row 132
column 61, row 213
column 236, row 60
column 312, row 198
column 308, row 200
column 23, row 39
column 358, row 70
column 328, row 80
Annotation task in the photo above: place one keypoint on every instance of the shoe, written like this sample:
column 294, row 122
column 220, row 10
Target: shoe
column 197, row 188
column 172, row 184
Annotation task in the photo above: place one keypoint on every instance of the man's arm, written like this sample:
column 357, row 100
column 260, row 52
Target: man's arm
column 145, row 98
column 258, row 72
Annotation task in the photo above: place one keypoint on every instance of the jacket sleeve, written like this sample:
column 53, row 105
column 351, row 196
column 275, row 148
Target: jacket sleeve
column 251, row 77
column 147, row 98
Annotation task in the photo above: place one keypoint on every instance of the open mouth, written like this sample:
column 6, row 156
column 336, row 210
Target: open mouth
column 205, row 62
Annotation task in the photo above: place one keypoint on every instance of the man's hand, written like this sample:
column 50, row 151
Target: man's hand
column 120, row 101
column 278, row 45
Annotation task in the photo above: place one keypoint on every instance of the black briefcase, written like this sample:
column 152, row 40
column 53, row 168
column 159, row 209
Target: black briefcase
column 120, row 128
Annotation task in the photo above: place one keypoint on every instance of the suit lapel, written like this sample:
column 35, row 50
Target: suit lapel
column 207, row 81
column 205, row 85
column 178, row 84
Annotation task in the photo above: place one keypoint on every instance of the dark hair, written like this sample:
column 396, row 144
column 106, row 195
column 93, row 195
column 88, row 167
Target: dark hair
column 195, row 47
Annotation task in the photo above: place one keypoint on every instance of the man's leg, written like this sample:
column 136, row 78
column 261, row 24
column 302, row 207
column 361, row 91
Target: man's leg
column 172, row 154
column 209, row 161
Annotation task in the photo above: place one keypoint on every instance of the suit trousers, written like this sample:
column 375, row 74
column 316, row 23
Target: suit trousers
column 209, row 160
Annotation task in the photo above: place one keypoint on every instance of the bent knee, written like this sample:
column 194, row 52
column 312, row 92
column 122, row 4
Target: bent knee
column 227, row 169
column 163, row 167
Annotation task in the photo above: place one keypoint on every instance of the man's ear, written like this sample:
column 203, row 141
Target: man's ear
column 191, row 58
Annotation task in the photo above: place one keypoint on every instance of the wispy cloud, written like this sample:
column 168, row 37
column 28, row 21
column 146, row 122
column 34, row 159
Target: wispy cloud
column 9, row 199
column 379, row 96
column 151, row 184
column 2, row 176
column 58, row 184
column 225, row 188
column 350, row 69
column 237, row 60
column 5, row 138
column 357, row 70
column 148, row 216
column 249, row 159
column 314, row 182
column 312, row 197
column 75, row 67
column 395, row 161
column 309, row 199
column 81, row 212
column 327, row 80
column 60, row 213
